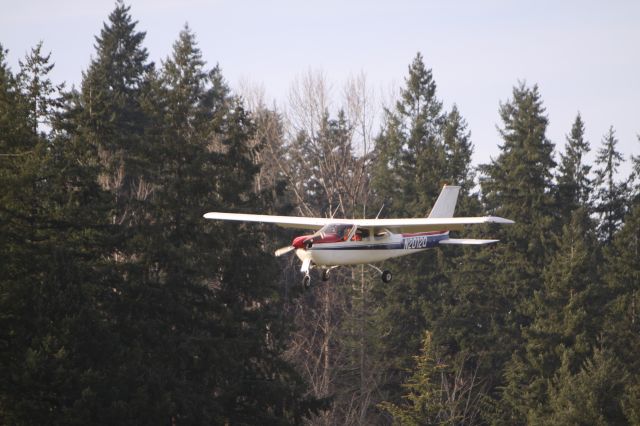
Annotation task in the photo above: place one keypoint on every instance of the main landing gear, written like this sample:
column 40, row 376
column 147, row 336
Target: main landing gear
column 385, row 275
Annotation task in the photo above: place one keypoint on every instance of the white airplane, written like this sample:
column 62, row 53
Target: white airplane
column 339, row 242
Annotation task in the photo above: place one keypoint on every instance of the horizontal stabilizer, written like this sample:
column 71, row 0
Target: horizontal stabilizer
column 467, row 241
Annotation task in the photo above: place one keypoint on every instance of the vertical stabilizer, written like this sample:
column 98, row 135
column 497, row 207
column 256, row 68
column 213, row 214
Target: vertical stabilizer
column 446, row 202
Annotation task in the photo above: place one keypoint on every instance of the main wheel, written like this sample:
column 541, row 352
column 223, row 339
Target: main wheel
column 306, row 281
column 325, row 275
column 386, row 277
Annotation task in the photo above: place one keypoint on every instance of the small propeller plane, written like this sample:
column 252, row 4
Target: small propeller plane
column 339, row 242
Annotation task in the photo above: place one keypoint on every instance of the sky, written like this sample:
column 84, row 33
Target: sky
column 583, row 55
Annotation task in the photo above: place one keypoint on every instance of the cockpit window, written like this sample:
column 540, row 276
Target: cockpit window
column 340, row 230
column 362, row 233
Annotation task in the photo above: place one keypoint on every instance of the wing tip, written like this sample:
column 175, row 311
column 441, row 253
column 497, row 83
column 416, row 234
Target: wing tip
column 497, row 219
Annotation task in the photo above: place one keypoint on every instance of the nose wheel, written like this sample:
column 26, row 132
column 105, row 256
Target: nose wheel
column 306, row 281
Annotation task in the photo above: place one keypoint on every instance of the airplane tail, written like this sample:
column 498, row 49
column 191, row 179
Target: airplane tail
column 446, row 202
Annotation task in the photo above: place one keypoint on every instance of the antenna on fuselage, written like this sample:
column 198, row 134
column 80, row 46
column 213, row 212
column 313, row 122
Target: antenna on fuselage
column 335, row 211
column 378, row 215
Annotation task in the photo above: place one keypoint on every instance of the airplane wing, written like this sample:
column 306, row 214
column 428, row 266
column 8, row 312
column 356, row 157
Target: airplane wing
column 283, row 221
column 393, row 225
column 472, row 241
column 427, row 223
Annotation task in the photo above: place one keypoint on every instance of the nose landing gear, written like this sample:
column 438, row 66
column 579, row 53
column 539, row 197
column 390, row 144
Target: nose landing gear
column 306, row 281
column 386, row 275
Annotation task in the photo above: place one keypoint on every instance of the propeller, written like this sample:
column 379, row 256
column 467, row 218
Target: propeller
column 298, row 243
column 284, row 250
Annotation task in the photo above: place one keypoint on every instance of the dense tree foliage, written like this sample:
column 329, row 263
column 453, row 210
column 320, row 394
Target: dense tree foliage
column 120, row 304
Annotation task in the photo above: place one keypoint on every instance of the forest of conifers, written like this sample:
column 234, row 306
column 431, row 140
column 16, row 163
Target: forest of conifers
column 120, row 304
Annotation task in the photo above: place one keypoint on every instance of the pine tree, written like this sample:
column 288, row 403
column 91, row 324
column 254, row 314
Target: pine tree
column 419, row 149
column 591, row 396
column 16, row 137
column 621, row 319
column 565, row 317
column 459, row 171
column 574, row 185
column 407, row 171
column 457, row 143
column 409, row 153
column 610, row 195
column 142, row 316
column 112, row 116
column 54, row 235
column 518, row 185
column 423, row 400
column 207, row 139
column 622, row 278
column 634, row 179
column 35, row 84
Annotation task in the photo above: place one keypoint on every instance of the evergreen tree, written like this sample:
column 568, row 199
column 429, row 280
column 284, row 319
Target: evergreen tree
column 38, row 88
column 423, row 401
column 419, row 149
column 206, row 141
column 410, row 153
column 150, row 315
column 113, row 119
column 565, row 320
column 54, row 235
column 408, row 168
column 634, row 179
column 16, row 137
column 459, row 171
column 622, row 278
column 610, row 195
column 592, row 396
column 574, row 185
column 458, row 148
column 518, row 185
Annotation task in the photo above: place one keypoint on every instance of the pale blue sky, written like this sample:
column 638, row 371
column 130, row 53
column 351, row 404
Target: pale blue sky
column 584, row 55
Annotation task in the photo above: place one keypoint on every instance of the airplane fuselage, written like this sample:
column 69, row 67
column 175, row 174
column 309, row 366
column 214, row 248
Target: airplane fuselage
column 370, row 249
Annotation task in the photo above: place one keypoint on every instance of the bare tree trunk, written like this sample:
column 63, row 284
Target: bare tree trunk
column 333, row 154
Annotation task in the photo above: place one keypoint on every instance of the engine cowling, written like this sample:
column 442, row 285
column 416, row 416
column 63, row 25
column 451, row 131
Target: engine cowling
column 303, row 241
